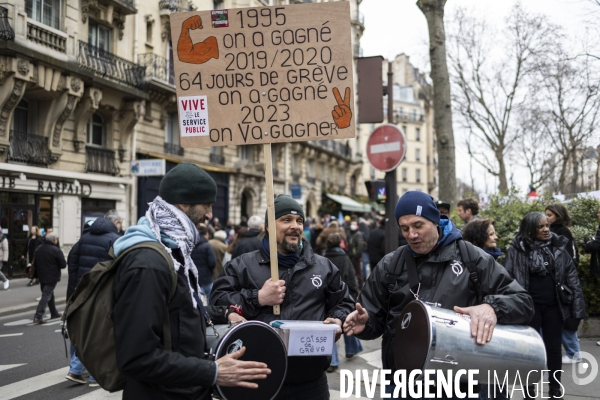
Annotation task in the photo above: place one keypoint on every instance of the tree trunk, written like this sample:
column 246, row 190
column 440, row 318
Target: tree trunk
column 442, row 109
column 574, row 173
column 503, row 185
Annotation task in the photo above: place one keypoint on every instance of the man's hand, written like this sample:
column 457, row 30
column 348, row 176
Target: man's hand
column 194, row 22
column 235, row 318
column 338, row 322
column 272, row 293
column 483, row 321
column 356, row 321
column 233, row 372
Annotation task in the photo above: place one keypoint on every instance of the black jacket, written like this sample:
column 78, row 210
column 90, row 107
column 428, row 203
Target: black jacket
column 142, row 289
column 204, row 258
column 314, row 292
column 30, row 247
column 564, row 271
column 376, row 246
column 247, row 244
column 340, row 259
column 571, row 248
column 593, row 247
column 93, row 247
column 439, row 284
column 49, row 260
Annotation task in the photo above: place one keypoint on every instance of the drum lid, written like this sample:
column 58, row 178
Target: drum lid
column 263, row 344
column 413, row 337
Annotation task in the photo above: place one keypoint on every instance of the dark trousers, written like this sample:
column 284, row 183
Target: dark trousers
column 46, row 300
column 550, row 321
column 357, row 264
column 312, row 390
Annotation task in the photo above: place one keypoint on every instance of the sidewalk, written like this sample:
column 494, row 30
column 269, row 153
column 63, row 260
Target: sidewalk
column 19, row 297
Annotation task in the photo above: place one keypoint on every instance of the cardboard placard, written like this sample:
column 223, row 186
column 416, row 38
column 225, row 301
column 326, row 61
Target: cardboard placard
column 264, row 75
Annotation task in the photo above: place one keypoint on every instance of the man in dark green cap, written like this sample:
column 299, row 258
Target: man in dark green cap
column 309, row 288
column 145, row 301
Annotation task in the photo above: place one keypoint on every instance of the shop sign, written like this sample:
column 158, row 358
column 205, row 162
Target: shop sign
column 155, row 167
column 10, row 182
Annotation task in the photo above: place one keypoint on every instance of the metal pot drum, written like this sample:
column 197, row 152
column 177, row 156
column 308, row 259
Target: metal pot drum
column 436, row 338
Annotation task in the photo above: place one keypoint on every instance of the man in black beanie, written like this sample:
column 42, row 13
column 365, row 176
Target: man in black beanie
column 433, row 253
column 146, row 300
column 310, row 288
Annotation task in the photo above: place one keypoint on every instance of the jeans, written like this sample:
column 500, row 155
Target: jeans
column 2, row 277
column 548, row 320
column 46, row 300
column 353, row 346
column 571, row 344
column 75, row 366
column 206, row 289
column 366, row 262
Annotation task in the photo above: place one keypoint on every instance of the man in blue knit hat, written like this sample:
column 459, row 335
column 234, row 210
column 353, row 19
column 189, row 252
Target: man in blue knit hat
column 443, row 279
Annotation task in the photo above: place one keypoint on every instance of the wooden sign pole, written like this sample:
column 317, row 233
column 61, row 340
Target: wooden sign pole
column 271, row 218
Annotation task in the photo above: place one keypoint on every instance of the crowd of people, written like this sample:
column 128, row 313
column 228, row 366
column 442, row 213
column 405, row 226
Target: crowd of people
column 223, row 276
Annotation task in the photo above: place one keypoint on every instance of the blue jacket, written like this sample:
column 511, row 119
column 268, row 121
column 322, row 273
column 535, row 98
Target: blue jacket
column 93, row 247
column 204, row 258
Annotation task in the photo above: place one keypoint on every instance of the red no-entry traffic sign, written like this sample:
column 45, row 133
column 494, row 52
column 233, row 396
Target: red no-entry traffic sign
column 386, row 147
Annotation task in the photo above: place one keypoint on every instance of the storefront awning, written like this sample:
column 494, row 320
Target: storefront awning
column 349, row 204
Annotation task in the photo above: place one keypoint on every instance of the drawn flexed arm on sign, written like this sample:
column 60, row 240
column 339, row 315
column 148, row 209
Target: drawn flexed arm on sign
column 342, row 114
column 200, row 52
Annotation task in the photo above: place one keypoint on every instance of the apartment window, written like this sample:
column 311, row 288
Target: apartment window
column 404, row 174
column 172, row 129
column 95, row 131
column 404, row 129
column 149, row 27
column 413, row 115
column 247, row 152
column 418, row 134
column 217, row 4
column 45, row 11
column 434, row 142
column 311, row 168
column 418, row 155
column 20, row 117
column 322, row 169
column 341, row 178
column 418, row 175
column 99, row 36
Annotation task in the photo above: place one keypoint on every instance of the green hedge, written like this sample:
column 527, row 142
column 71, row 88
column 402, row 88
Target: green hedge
column 508, row 212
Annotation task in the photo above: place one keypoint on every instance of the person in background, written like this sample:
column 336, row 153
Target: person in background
column 560, row 223
column 219, row 248
column 482, row 234
column 376, row 244
column 363, row 226
column 204, row 258
column 356, row 245
column 48, row 230
column 467, row 210
column 34, row 240
column 250, row 241
column 340, row 259
column 592, row 247
column 3, row 258
column 314, row 234
column 443, row 207
column 538, row 260
column 333, row 227
column 48, row 263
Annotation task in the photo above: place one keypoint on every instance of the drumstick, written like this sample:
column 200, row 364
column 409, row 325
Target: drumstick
column 271, row 217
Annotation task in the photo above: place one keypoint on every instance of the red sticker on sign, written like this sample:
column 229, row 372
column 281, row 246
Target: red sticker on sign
column 219, row 18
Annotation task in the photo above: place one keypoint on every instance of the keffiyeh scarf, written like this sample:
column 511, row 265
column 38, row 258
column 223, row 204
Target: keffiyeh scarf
column 167, row 220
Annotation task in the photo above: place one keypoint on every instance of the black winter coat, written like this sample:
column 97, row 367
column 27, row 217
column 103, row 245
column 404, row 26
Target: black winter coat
column 564, row 271
column 340, row 259
column 439, row 284
column 376, row 246
column 93, row 247
column 247, row 244
column 571, row 248
column 593, row 247
column 314, row 292
column 30, row 247
column 49, row 260
column 142, row 289
column 204, row 258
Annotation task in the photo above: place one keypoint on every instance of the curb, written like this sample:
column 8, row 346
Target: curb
column 28, row 307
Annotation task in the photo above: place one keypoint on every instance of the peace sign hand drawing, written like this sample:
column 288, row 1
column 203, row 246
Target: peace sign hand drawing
column 342, row 115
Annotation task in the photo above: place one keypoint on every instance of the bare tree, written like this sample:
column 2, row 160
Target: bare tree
column 442, row 104
column 490, row 70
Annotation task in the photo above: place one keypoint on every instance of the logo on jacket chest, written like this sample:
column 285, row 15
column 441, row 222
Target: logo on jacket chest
column 317, row 281
column 457, row 267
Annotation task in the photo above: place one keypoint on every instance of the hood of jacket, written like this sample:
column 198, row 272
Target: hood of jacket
column 102, row 225
column 556, row 243
column 138, row 234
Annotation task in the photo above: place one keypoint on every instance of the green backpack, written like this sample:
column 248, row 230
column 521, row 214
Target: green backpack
column 88, row 316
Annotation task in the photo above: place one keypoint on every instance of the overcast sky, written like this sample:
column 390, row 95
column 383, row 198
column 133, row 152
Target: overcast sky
column 397, row 26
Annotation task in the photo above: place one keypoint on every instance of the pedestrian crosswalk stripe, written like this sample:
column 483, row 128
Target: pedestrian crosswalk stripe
column 9, row 366
column 100, row 394
column 33, row 384
column 373, row 358
column 19, row 322
column 11, row 334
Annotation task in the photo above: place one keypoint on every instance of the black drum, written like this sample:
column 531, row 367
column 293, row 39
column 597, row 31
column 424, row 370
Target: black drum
column 262, row 344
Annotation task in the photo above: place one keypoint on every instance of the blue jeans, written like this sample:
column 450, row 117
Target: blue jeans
column 75, row 366
column 206, row 289
column 47, row 299
column 366, row 261
column 353, row 346
column 570, row 343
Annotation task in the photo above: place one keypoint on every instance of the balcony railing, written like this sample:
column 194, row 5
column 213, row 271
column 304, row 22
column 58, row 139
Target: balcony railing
column 175, row 5
column 157, row 67
column 110, row 66
column 100, row 160
column 173, row 148
column 358, row 51
column 339, row 148
column 402, row 116
column 358, row 17
column 29, row 148
column 217, row 158
column 6, row 31
column 47, row 37
column 311, row 180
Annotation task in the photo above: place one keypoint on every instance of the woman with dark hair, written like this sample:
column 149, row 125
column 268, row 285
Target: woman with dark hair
column 340, row 259
column 482, row 234
column 34, row 240
column 560, row 221
column 538, row 260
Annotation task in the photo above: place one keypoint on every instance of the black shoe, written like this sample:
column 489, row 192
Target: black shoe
column 332, row 368
column 555, row 393
column 529, row 392
column 349, row 356
column 38, row 321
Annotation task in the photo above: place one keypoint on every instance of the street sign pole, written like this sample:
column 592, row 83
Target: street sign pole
column 391, row 227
